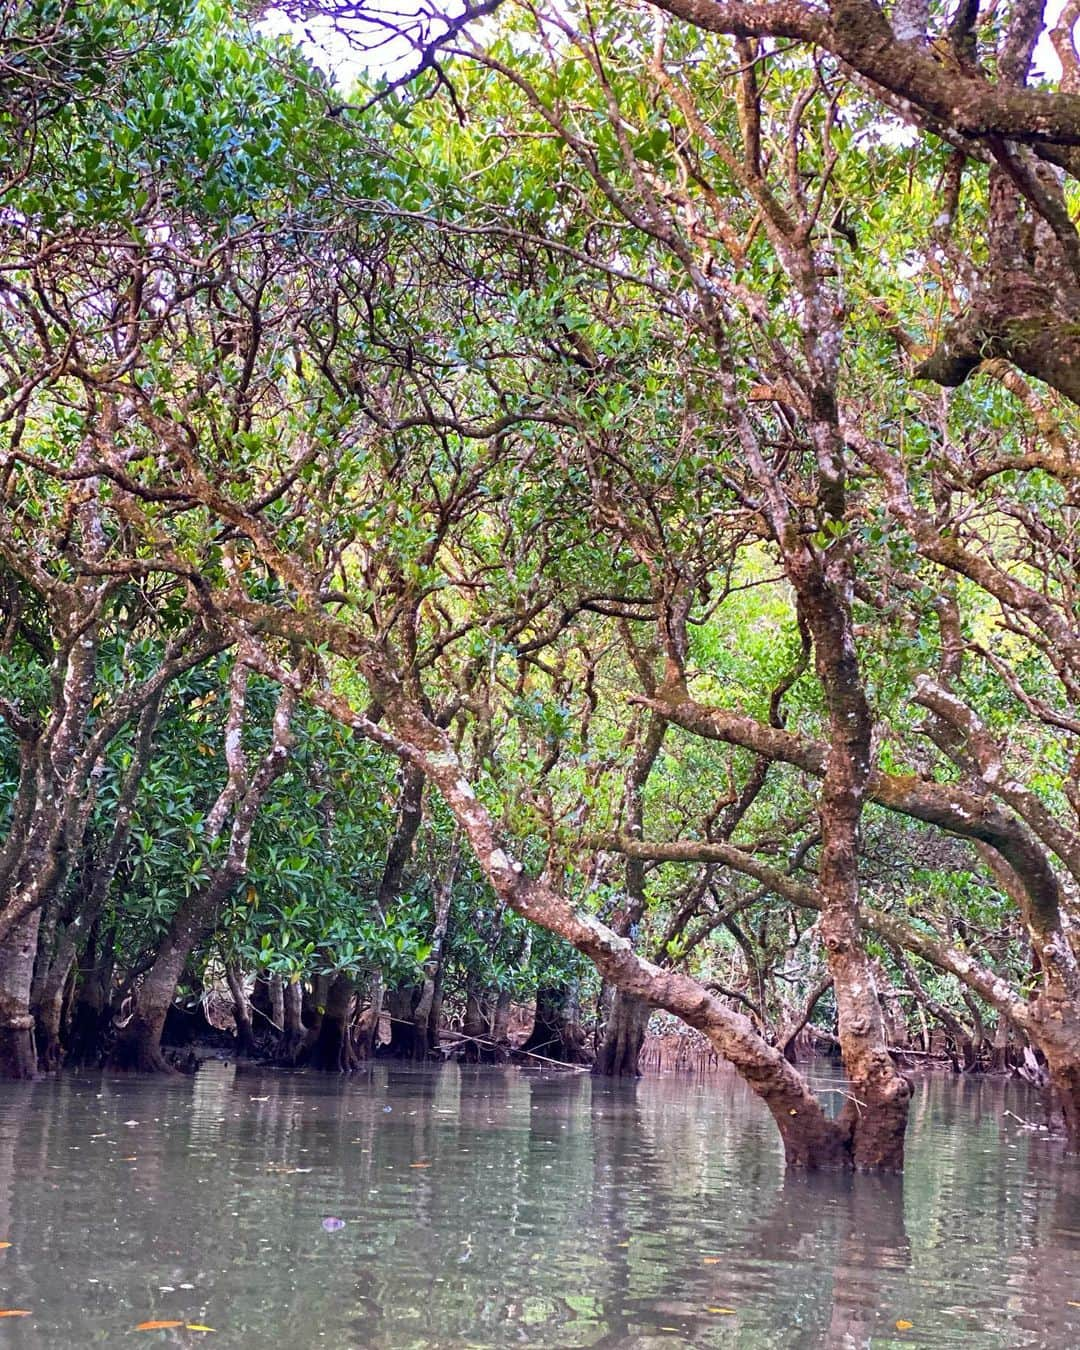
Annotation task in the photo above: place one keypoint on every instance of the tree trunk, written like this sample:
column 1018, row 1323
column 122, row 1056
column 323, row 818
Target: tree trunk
column 407, row 1039
column 624, row 1035
column 366, row 1029
column 427, row 1008
column 50, row 1006
column 877, row 1117
column 138, row 1045
column 245, row 1032
column 332, row 1049
column 277, row 1003
column 90, row 1018
column 1065, row 1078
column 788, row 1037
column 18, row 1055
column 892, row 1010
column 556, row 1033
column 1056, row 1032
column 500, row 1025
column 292, row 1041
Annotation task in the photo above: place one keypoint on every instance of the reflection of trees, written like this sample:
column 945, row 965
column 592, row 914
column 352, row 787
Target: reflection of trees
column 515, row 1232
column 848, row 1232
column 19, row 1111
column 842, row 1232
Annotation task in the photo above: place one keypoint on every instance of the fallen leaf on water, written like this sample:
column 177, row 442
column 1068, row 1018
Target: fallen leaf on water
column 197, row 1326
column 728, row 1312
column 903, row 1325
column 158, row 1325
column 711, row 1261
column 14, row 1312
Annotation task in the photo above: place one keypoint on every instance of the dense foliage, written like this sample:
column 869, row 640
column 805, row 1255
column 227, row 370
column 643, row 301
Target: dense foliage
column 593, row 521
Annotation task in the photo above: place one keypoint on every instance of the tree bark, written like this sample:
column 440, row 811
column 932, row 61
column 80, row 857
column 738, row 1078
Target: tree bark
column 18, row 1054
column 245, row 1031
column 556, row 1032
column 90, row 1014
column 408, row 1039
column 366, row 1029
column 138, row 1044
column 48, row 1012
column 624, row 1035
column 292, row 998
column 332, row 1049
column 500, row 1022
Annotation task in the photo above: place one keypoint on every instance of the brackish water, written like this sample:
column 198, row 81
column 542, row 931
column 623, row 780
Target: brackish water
column 502, row 1208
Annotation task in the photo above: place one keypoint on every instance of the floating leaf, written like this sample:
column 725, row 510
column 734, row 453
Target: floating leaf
column 158, row 1325
column 14, row 1312
column 903, row 1325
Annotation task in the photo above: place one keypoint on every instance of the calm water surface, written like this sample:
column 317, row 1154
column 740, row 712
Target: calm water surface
column 501, row 1208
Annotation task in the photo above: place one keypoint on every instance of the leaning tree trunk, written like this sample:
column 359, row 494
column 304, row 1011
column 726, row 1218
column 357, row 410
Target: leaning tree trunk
column 809, row 1138
column 138, row 1045
column 624, row 1035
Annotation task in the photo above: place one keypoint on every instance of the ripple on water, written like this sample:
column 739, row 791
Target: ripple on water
column 492, row 1208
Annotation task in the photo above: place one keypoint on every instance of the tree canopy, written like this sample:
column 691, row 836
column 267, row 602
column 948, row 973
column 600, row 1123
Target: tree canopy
column 594, row 517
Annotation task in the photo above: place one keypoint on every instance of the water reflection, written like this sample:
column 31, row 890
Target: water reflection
column 498, row 1207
